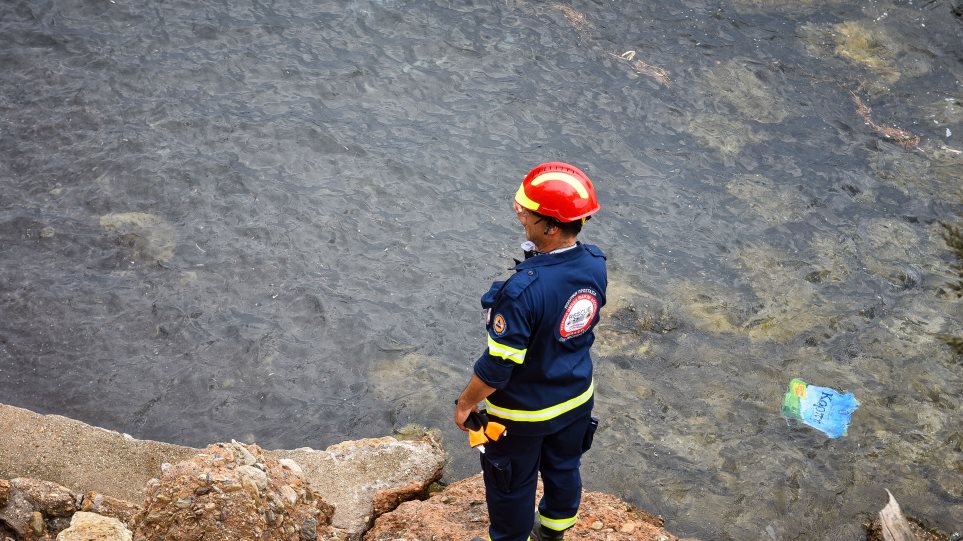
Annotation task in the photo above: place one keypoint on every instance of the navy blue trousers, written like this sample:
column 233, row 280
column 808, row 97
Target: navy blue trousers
column 511, row 467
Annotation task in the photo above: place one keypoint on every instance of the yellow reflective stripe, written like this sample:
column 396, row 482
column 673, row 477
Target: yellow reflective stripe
column 506, row 352
column 562, row 177
column 557, row 524
column 523, row 199
column 543, row 414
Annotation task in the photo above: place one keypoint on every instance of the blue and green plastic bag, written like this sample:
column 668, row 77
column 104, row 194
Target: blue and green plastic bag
column 822, row 408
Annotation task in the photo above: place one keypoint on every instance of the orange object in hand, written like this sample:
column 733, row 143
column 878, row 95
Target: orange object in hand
column 481, row 430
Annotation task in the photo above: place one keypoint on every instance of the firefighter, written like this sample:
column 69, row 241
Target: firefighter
column 536, row 374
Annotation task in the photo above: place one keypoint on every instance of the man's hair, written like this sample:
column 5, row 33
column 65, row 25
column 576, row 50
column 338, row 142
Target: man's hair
column 571, row 229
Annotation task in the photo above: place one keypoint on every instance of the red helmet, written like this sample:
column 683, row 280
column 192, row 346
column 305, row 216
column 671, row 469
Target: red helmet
column 558, row 190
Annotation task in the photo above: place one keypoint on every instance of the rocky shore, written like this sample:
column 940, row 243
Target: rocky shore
column 63, row 480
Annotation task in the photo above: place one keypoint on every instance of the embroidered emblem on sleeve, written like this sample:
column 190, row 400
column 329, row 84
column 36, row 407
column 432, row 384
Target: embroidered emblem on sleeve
column 499, row 325
column 579, row 313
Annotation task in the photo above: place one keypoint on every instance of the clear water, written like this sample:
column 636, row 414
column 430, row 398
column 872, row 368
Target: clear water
column 272, row 221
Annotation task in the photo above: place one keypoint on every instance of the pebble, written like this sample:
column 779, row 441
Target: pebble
column 597, row 525
column 309, row 530
column 183, row 503
column 258, row 477
column 247, row 459
column 289, row 494
column 291, row 465
column 628, row 527
column 36, row 523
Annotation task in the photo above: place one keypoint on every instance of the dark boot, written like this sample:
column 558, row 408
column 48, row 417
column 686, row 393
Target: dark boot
column 541, row 533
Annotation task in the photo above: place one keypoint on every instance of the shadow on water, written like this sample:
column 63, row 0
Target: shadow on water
column 272, row 221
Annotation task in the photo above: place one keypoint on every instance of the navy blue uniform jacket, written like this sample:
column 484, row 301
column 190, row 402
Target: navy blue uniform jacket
column 540, row 327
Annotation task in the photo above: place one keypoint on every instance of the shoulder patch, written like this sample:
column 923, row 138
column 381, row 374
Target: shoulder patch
column 519, row 282
column 580, row 311
column 499, row 326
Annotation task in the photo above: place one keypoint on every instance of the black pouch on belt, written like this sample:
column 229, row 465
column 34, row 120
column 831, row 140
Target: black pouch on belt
column 590, row 434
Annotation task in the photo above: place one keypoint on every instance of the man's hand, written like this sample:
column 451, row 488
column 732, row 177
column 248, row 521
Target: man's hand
column 476, row 391
column 461, row 414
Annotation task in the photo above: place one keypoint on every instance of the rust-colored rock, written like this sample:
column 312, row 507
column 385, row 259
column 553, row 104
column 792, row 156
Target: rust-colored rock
column 217, row 496
column 4, row 492
column 50, row 499
column 388, row 500
column 34, row 510
column 459, row 512
column 124, row 511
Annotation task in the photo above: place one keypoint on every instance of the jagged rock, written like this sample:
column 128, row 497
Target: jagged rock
column 50, row 499
column 459, row 512
column 84, row 458
column 219, row 496
column 35, row 510
column 93, row 527
column 104, row 505
column 371, row 477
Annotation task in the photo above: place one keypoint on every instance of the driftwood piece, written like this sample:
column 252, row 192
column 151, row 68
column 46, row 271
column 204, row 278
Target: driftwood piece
column 894, row 525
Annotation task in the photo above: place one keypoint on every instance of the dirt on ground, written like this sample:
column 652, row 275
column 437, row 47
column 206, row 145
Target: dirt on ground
column 459, row 512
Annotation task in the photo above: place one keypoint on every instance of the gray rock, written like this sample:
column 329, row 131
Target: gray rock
column 366, row 478
column 259, row 478
column 309, row 530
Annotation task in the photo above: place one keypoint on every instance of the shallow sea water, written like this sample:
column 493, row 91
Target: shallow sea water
column 272, row 221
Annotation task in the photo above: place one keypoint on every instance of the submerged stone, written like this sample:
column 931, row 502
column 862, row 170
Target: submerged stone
column 775, row 206
column 410, row 385
column 628, row 320
column 891, row 250
column 149, row 237
column 737, row 84
column 784, row 5
column 835, row 258
column 868, row 44
column 726, row 135
column 935, row 173
column 782, row 304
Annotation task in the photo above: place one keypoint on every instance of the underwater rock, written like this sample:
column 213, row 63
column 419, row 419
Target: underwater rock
column 783, row 304
column 891, row 250
column 868, row 44
column 945, row 112
column 737, row 84
column 803, row 6
column 834, row 258
column 628, row 320
column 775, row 206
column 934, row 174
column 411, row 385
column 711, row 308
column 727, row 136
column 150, row 237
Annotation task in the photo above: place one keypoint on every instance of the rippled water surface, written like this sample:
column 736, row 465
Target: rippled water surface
column 272, row 221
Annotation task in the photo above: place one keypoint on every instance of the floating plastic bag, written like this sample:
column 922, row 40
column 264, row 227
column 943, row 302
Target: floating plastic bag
column 822, row 408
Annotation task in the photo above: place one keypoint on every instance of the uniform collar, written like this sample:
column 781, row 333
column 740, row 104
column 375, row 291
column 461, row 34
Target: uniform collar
column 551, row 258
